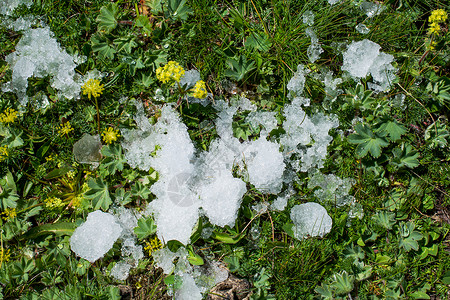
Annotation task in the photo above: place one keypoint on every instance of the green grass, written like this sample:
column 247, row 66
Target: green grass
column 370, row 258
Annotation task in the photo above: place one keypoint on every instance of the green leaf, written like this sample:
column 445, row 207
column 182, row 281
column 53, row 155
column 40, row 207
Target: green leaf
column 394, row 129
column 420, row 295
column 125, row 44
column 98, row 193
column 58, row 229
column 193, row 257
column 179, row 9
column 405, row 156
column 368, row 141
column 107, row 17
column 258, row 41
column 239, row 67
column 114, row 159
column 446, row 278
column 409, row 237
column 58, row 172
column 226, row 238
column 105, row 51
column 145, row 228
column 385, row 219
column 354, row 253
column 174, row 245
column 343, row 283
column 8, row 199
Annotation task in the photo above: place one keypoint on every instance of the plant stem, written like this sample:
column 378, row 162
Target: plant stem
column 98, row 115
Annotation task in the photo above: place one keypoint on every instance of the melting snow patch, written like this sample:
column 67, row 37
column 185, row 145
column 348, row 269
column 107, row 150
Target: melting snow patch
column 363, row 58
column 96, row 236
column 121, row 270
column 310, row 219
column 8, row 6
column 38, row 54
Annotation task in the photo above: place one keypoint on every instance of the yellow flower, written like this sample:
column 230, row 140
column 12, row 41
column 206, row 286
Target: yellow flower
column 76, row 201
column 65, row 128
column 8, row 116
column 434, row 28
column 71, row 174
column 4, row 255
column 9, row 213
column 153, row 245
column 438, row 16
column 92, row 87
column 110, row 135
column 200, row 90
column 430, row 45
column 3, row 153
column 171, row 71
column 53, row 202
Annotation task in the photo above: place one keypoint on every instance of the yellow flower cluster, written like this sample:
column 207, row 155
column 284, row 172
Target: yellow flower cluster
column 431, row 45
column 8, row 116
column 9, row 213
column 153, row 245
column 71, row 174
column 110, row 135
column 92, row 87
column 4, row 255
column 200, row 90
column 3, row 153
column 437, row 16
column 53, row 202
column 76, row 201
column 171, row 71
column 65, row 128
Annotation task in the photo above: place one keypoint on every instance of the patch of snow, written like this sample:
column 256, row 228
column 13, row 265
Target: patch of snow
column 310, row 219
column 96, row 236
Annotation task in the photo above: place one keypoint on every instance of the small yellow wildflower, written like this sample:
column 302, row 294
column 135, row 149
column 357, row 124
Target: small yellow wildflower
column 9, row 213
column 3, row 153
column 110, row 135
column 4, row 255
column 434, row 28
column 200, row 90
column 431, row 45
column 76, row 201
column 171, row 71
column 438, row 16
column 92, row 87
column 153, row 245
column 53, row 202
column 88, row 173
column 71, row 174
column 65, row 128
column 8, row 116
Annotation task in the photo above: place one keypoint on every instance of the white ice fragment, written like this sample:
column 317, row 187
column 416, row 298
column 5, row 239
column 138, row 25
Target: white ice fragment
column 261, row 208
column 308, row 18
column 363, row 29
column 265, row 166
column 333, row 2
column 297, row 82
column 281, row 201
column 188, row 290
column 8, row 6
column 310, row 219
column 120, row 271
column 208, row 275
column 371, row 9
column 96, row 236
column 38, row 54
column 363, row 58
column 314, row 50
column 164, row 258
column 332, row 189
column 265, row 118
column 87, row 149
column 189, row 78
column 222, row 198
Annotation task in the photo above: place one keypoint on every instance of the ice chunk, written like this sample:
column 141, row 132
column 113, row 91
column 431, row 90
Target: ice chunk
column 297, row 82
column 129, row 248
column 308, row 18
column 189, row 78
column 120, row 271
column 371, row 9
column 265, row 118
column 38, row 54
column 314, row 50
column 332, row 190
column 333, row 2
column 209, row 274
column 265, row 166
column 96, row 236
column 87, row 149
column 8, row 6
column 310, row 219
column 221, row 199
column 361, row 28
column 281, row 201
column 331, row 84
column 363, row 58
column 164, row 258
column 188, row 290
